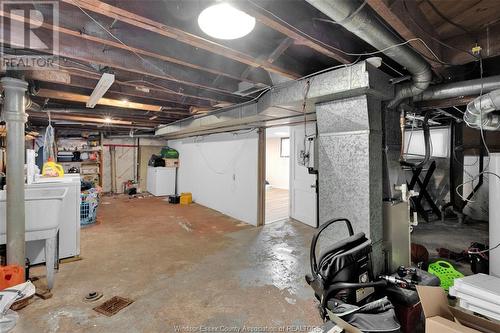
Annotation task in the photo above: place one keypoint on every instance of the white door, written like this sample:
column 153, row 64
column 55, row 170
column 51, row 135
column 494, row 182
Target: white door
column 302, row 184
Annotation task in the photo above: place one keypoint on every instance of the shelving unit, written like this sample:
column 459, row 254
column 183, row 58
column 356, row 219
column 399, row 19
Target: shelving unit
column 89, row 164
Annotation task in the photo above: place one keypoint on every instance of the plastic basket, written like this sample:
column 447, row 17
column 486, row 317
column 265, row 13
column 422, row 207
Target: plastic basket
column 88, row 208
column 445, row 272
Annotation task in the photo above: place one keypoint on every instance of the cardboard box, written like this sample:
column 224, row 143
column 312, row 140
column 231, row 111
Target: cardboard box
column 443, row 318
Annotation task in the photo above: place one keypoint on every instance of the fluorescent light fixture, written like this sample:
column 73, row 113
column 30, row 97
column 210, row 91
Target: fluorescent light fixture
column 100, row 89
column 223, row 21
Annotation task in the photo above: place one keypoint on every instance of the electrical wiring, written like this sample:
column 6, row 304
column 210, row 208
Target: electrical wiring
column 304, row 103
column 427, row 143
column 349, row 17
column 231, row 164
column 458, row 110
column 437, row 11
column 483, row 251
column 119, row 40
column 342, row 51
column 154, row 85
column 482, row 139
column 410, row 16
column 411, row 135
column 392, row 68
column 160, row 70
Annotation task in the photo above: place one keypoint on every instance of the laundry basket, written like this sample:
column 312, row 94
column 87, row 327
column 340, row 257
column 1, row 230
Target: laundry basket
column 88, row 206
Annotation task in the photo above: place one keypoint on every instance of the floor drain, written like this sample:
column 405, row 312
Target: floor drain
column 92, row 296
column 113, row 305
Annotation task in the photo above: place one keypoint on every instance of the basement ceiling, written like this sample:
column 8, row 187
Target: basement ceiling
column 167, row 69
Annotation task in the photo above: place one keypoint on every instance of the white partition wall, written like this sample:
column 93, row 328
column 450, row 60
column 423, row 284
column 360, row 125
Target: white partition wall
column 494, row 223
column 220, row 170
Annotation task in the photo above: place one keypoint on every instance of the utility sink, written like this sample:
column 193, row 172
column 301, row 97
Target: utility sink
column 42, row 207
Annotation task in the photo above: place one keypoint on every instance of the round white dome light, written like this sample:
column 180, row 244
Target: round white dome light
column 223, row 21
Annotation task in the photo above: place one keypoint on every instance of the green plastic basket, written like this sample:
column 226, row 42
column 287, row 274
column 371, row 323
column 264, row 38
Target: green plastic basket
column 445, row 272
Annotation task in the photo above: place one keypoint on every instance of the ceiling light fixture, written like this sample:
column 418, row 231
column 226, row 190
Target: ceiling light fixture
column 223, row 21
column 108, row 120
column 105, row 82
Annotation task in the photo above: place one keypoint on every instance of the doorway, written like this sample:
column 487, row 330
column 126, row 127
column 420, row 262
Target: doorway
column 277, row 174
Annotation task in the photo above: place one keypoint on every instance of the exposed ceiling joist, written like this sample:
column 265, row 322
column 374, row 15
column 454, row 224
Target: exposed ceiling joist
column 153, row 84
column 71, row 46
column 282, row 47
column 68, row 96
column 171, row 108
column 488, row 39
column 444, row 103
column 397, row 17
column 130, row 89
column 58, row 116
column 141, row 51
column 102, row 8
column 288, row 31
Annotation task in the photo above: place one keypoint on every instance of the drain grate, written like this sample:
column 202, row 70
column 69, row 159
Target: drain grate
column 113, row 305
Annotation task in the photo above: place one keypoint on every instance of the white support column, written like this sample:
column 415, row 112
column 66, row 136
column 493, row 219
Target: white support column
column 15, row 116
column 494, row 209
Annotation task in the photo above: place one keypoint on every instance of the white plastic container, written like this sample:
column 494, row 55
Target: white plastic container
column 479, row 293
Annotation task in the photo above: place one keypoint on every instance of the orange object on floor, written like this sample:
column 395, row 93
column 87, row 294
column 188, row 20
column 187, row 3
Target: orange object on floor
column 186, row 198
column 11, row 275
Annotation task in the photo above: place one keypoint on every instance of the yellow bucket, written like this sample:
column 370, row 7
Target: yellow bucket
column 186, row 198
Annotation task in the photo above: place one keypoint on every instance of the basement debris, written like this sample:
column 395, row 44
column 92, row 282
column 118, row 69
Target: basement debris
column 113, row 306
column 139, row 196
column 8, row 297
column 41, row 288
column 185, row 225
column 92, row 296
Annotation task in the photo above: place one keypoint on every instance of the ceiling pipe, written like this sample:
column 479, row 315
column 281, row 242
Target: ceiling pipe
column 358, row 19
column 462, row 88
column 14, row 114
column 479, row 112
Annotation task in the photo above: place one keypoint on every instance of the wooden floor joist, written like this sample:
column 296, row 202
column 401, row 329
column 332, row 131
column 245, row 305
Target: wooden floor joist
column 122, row 15
column 68, row 96
column 297, row 37
column 96, row 57
column 141, row 51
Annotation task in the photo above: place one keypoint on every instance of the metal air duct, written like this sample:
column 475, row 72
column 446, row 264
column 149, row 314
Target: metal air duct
column 462, row 88
column 355, row 17
column 479, row 112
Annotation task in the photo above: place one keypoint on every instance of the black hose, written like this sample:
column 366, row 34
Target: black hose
column 427, row 141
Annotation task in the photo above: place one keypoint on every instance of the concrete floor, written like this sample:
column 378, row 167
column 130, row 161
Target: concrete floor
column 182, row 265
column 451, row 235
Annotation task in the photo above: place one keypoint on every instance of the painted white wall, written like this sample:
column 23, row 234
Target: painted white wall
column 277, row 167
column 220, row 170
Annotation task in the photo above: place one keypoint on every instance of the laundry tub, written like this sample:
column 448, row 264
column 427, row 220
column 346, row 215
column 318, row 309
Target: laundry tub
column 42, row 208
